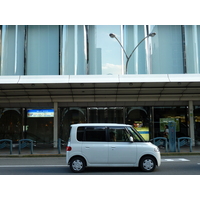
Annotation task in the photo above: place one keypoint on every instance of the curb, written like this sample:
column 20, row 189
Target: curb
column 32, row 155
column 180, row 153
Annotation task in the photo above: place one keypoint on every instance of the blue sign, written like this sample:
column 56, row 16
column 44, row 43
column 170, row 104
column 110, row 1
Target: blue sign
column 40, row 113
column 172, row 136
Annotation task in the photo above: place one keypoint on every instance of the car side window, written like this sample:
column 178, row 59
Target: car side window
column 80, row 133
column 118, row 134
column 91, row 134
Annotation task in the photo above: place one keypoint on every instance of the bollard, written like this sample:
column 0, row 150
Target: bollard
column 59, row 145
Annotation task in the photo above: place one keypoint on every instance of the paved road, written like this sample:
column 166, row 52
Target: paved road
column 171, row 165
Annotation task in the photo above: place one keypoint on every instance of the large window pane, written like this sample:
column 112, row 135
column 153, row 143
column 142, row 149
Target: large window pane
column 12, row 50
column 139, row 118
column 104, row 52
column 162, row 115
column 42, row 50
column 197, row 124
column 74, row 52
column 192, row 48
column 70, row 116
column 133, row 34
column 167, row 50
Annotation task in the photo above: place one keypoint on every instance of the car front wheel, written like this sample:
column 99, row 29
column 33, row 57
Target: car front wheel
column 77, row 164
column 147, row 164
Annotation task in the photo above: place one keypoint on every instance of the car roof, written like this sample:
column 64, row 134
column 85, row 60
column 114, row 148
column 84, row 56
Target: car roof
column 100, row 124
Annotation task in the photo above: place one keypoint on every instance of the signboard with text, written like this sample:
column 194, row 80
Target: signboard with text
column 40, row 113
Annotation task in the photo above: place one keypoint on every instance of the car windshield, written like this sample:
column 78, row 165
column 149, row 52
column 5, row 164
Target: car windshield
column 136, row 136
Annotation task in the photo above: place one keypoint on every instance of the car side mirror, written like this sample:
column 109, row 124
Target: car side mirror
column 131, row 139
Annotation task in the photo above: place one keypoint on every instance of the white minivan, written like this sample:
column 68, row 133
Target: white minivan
column 109, row 145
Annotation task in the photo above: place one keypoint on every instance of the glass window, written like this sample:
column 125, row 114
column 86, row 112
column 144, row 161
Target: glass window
column 104, row 52
column 167, row 50
column 136, row 136
column 139, row 118
column 197, row 124
column 11, row 124
column 70, row 116
column 95, row 134
column 42, row 51
column 12, row 50
column 192, row 48
column 80, row 133
column 118, row 134
column 91, row 134
column 162, row 115
column 133, row 34
column 40, row 129
column 74, row 52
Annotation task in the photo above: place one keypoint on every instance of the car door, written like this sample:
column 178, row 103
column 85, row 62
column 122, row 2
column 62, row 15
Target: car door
column 122, row 152
column 95, row 146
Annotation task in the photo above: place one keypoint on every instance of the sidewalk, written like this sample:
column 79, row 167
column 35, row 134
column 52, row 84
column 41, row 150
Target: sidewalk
column 185, row 150
column 37, row 152
column 48, row 152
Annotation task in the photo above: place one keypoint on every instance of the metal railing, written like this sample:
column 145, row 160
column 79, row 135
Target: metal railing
column 161, row 141
column 184, row 141
column 6, row 143
column 25, row 143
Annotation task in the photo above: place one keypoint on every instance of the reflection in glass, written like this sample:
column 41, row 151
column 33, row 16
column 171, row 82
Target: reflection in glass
column 133, row 34
column 12, row 50
column 73, row 50
column 192, row 47
column 104, row 53
column 42, row 50
column 167, row 50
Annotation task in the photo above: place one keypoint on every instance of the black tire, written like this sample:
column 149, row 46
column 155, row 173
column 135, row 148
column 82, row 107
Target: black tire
column 147, row 164
column 77, row 164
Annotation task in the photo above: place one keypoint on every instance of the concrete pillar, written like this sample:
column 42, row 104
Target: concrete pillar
column 55, row 122
column 191, row 124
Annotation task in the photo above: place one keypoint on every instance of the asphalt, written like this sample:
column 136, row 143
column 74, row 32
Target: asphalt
column 54, row 152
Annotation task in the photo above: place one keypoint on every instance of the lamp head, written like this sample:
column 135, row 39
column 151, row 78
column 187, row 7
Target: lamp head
column 152, row 34
column 112, row 35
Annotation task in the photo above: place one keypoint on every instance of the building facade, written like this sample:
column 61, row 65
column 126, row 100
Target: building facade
column 54, row 76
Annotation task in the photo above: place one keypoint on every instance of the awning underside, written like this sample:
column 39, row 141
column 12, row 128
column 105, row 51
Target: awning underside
column 98, row 88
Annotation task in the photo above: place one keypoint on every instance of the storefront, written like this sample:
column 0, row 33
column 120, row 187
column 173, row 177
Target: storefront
column 42, row 108
column 37, row 124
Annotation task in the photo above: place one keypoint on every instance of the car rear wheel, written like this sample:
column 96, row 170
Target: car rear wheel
column 77, row 164
column 147, row 164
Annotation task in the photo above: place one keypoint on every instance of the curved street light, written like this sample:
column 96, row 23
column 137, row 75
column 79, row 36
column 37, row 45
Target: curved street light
column 128, row 57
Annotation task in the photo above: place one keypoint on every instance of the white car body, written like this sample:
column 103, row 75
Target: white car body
column 110, row 153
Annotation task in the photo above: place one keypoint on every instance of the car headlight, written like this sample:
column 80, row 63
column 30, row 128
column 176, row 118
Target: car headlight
column 156, row 149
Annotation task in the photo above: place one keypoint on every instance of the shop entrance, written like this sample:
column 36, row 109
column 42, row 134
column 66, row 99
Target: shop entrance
column 11, row 124
column 39, row 126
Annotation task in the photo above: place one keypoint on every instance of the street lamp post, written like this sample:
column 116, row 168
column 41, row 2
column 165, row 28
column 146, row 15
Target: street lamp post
column 128, row 57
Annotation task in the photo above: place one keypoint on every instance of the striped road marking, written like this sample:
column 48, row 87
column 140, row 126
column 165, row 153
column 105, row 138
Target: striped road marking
column 174, row 160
